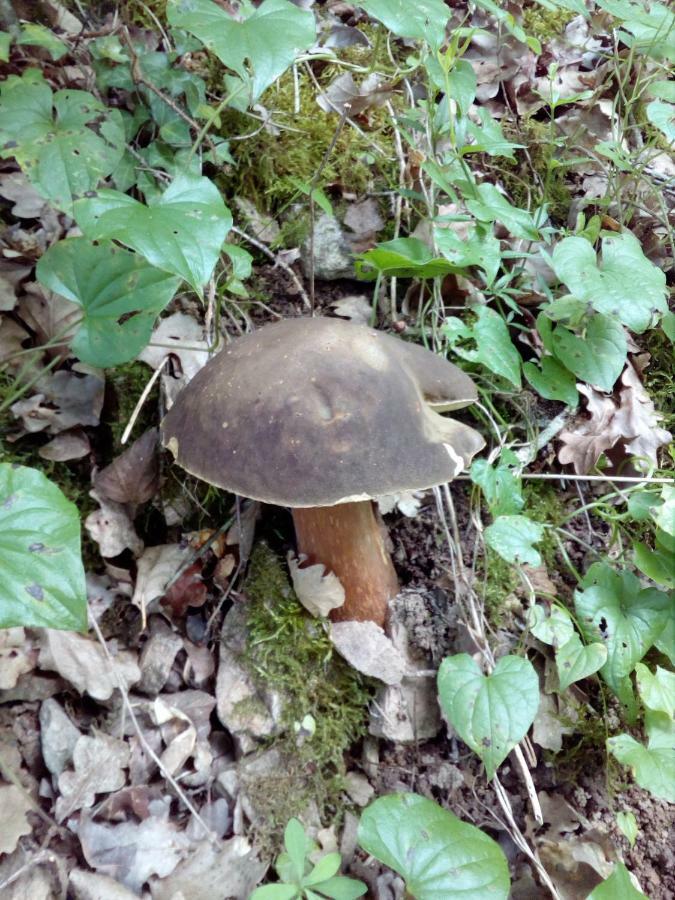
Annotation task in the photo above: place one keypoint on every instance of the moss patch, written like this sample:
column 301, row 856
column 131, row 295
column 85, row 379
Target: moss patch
column 545, row 24
column 291, row 652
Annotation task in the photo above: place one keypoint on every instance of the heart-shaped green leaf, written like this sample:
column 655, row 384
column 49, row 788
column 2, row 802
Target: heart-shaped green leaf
column 552, row 381
column 119, row 292
column 182, row 232
column 403, row 258
column 65, row 142
column 575, row 661
column 625, row 286
column 554, row 629
column 512, row 538
column 597, row 357
column 424, row 20
column 259, row 46
column 614, row 609
column 617, row 887
column 41, row 574
column 491, row 713
column 438, row 856
column 653, row 767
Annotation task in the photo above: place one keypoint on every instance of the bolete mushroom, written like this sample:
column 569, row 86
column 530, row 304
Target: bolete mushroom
column 324, row 416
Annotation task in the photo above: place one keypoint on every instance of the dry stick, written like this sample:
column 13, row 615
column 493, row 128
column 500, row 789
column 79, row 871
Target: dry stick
column 139, row 78
column 180, row 793
column 277, row 261
column 554, row 476
column 141, row 400
column 398, row 201
column 45, row 856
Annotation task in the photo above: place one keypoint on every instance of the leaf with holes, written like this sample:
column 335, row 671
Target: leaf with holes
column 424, row 20
column 513, row 537
column 490, row 713
column 436, row 854
column 625, row 285
column 614, row 609
column 65, row 142
column 575, row 660
column 259, row 47
column 598, row 356
column 41, row 574
column 119, row 293
column 182, row 232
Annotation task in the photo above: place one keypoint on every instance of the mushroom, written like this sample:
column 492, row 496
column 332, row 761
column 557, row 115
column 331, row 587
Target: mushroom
column 324, row 416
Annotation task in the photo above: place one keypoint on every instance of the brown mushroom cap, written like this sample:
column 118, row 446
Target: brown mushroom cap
column 315, row 412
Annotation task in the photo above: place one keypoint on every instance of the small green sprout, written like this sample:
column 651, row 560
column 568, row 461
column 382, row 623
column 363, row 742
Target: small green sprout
column 300, row 880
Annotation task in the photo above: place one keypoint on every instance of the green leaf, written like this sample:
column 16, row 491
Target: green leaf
column 276, row 892
column 489, row 138
column 65, row 142
column 479, row 248
column 492, row 206
column 575, row 660
column 120, row 295
column 260, row 47
column 662, row 116
column 554, row 629
column 512, row 538
column 436, row 854
column 5, row 42
column 617, row 887
column 424, row 20
column 653, row 767
column 652, row 28
column 665, row 514
column 342, row 888
column 628, row 826
column 655, row 564
column 182, row 232
column 494, row 348
column 298, row 846
column 552, row 381
column 626, row 285
column 326, row 868
column 41, row 574
column 598, row 357
column 403, row 258
column 616, row 610
column 500, row 486
column 37, row 35
column 491, row 713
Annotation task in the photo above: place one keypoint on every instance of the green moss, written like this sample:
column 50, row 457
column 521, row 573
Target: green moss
column 658, row 376
column 499, row 580
column 545, row 24
column 267, row 164
column 292, row 653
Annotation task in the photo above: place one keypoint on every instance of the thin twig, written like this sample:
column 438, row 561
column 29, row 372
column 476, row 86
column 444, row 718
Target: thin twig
column 562, row 476
column 277, row 262
column 180, row 793
column 141, row 400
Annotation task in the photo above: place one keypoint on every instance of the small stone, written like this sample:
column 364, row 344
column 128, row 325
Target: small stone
column 157, row 657
column 406, row 712
column 367, row 648
column 332, row 255
column 58, row 736
column 358, row 787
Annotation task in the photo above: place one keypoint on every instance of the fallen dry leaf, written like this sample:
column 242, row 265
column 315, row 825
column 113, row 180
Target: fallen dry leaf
column 112, row 529
column 208, row 868
column 86, row 885
column 188, row 591
column 16, row 656
column 133, row 476
column 15, row 187
column 185, row 339
column 68, row 445
column 156, row 567
column 355, row 307
column 64, row 400
column 130, row 853
column 319, row 591
column 627, row 424
column 344, row 94
column 14, row 805
column 58, row 736
column 367, row 648
column 84, row 664
column 98, row 764
column 11, row 274
column 49, row 315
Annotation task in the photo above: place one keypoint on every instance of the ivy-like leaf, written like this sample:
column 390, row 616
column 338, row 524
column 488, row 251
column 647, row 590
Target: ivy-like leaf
column 41, row 574
column 65, row 142
column 182, row 232
column 598, row 356
column 435, row 853
column 652, row 767
column 424, row 20
column 500, row 485
column 119, row 292
column 494, row 347
column 492, row 206
column 36, row 35
column 260, row 47
column 512, row 537
column 552, row 381
column 617, row 887
column 625, row 285
column 491, row 713
column 575, row 660
column 403, row 258
column 614, row 609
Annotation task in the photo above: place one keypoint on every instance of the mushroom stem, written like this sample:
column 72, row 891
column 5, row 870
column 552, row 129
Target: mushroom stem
column 350, row 542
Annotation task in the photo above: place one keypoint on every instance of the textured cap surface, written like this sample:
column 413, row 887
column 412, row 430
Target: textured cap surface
column 314, row 412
